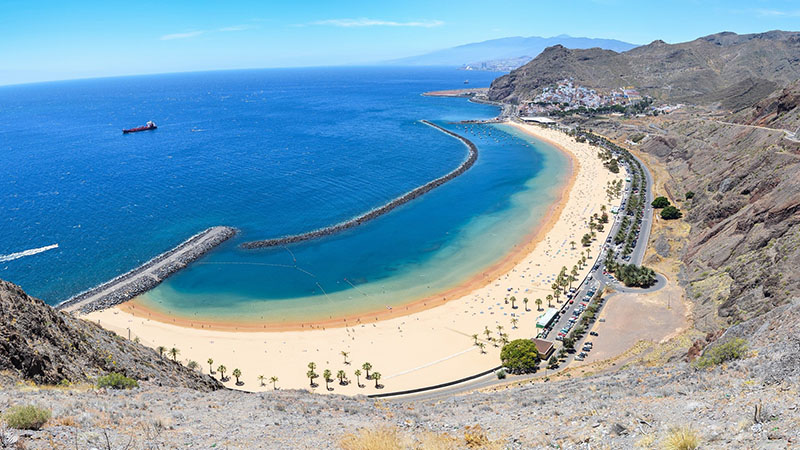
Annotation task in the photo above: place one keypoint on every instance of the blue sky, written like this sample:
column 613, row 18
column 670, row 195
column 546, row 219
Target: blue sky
column 51, row 40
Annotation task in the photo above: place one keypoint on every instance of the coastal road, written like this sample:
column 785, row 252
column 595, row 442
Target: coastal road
column 595, row 279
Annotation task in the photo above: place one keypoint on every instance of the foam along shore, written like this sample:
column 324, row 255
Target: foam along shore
column 472, row 156
column 432, row 341
column 148, row 275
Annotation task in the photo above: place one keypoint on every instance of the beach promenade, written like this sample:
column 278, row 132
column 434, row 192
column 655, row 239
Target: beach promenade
column 148, row 275
column 428, row 342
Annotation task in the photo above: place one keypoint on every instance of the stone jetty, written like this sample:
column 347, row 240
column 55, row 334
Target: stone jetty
column 377, row 212
column 148, row 275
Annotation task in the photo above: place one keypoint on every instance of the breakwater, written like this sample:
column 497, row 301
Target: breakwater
column 472, row 156
column 148, row 275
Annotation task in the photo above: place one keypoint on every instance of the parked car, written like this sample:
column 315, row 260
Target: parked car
column 593, row 333
column 579, row 358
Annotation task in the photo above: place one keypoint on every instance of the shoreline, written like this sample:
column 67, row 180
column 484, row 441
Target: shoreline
column 146, row 276
column 476, row 282
column 374, row 213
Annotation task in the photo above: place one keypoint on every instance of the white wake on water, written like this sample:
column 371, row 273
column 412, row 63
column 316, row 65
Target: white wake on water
column 33, row 251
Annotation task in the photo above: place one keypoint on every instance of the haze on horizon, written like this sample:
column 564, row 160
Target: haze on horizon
column 53, row 40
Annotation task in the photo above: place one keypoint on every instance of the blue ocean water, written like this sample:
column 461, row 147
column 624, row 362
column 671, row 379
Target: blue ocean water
column 270, row 152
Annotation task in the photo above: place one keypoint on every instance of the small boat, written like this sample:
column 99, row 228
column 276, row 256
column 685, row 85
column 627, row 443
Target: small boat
column 466, row 81
column 149, row 126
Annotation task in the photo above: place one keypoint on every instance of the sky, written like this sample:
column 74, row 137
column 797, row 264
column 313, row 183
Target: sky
column 52, row 40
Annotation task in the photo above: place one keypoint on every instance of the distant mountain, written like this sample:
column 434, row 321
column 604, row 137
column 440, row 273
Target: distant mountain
column 723, row 67
column 496, row 52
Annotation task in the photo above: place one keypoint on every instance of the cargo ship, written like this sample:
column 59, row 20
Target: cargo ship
column 149, row 126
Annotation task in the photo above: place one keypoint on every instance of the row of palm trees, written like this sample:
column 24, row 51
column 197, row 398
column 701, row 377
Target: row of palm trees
column 327, row 375
column 502, row 338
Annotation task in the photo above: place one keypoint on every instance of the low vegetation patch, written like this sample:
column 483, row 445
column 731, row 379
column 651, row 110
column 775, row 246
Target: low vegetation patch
column 392, row 438
column 632, row 275
column 26, row 417
column 520, row 356
column 116, row 380
column 660, row 202
column 735, row 348
column 682, row 439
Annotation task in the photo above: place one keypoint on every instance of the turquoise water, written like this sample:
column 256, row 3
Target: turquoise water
column 270, row 152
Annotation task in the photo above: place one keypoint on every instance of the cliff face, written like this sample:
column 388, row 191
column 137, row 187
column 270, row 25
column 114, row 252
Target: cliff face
column 693, row 70
column 46, row 346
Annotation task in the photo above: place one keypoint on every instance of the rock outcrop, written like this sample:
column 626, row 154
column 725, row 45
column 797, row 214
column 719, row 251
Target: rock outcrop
column 45, row 346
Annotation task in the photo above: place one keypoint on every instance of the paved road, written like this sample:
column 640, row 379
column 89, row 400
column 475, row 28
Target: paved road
column 595, row 279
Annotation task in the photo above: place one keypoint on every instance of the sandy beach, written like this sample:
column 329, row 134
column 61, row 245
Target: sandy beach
column 429, row 341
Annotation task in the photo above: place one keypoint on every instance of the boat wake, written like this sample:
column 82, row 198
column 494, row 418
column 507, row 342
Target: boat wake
column 33, row 251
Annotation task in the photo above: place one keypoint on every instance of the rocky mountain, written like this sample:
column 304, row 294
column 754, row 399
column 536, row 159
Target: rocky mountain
column 691, row 72
column 489, row 54
column 40, row 344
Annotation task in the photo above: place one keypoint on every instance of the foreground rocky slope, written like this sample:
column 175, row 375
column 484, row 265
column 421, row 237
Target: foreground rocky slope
column 690, row 71
column 45, row 346
column 749, row 403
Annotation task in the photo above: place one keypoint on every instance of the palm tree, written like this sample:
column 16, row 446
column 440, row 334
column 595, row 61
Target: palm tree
column 487, row 332
column 475, row 336
column 499, row 329
column 367, row 367
column 193, row 365
column 525, row 301
column 549, row 300
column 174, row 352
column 261, row 379
column 311, row 375
column 161, row 349
column 513, row 299
column 514, row 321
column 341, row 376
column 345, row 354
column 273, row 379
column 312, row 366
column 236, row 374
column 538, row 304
column 210, row 366
column 358, row 379
column 376, row 376
column 326, row 375
column 572, row 244
column 482, row 346
column 504, row 338
column 222, row 369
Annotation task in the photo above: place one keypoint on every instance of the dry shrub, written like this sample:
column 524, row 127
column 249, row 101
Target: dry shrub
column 381, row 438
column 476, row 438
column 683, row 438
column 65, row 421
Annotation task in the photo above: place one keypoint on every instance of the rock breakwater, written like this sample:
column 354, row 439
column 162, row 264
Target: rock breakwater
column 377, row 212
column 148, row 275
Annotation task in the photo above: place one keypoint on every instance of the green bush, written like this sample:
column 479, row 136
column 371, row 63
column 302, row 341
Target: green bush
column 501, row 374
column 27, row 417
column 660, row 202
column 520, row 356
column 689, row 195
column 733, row 349
column 670, row 213
column 116, row 380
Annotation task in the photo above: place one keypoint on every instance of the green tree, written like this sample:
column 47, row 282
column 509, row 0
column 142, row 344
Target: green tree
column 222, row 369
column 210, row 366
column 475, row 337
column 341, row 376
column 377, row 377
column 552, row 363
column 358, row 377
column 689, row 195
column 549, row 300
column 192, row 365
column 520, row 356
column 261, row 379
column 586, row 240
column 345, row 355
column 326, row 375
column 525, row 302
column 311, row 375
column 569, row 343
column 174, row 352
column 367, row 367
column 660, row 202
column 482, row 346
column 236, row 374
column 513, row 300
column 273, row 379
column 161, row 349
column 538, row 304
column 514, row 322
column 671, row 213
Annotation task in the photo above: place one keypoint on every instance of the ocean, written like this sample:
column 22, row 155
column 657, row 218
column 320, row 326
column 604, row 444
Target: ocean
column 271, row 152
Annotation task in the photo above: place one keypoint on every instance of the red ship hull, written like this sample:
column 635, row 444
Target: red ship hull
column 142, row 128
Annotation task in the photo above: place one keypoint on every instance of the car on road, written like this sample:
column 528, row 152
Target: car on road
column 579, row 358
column 593, row 333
